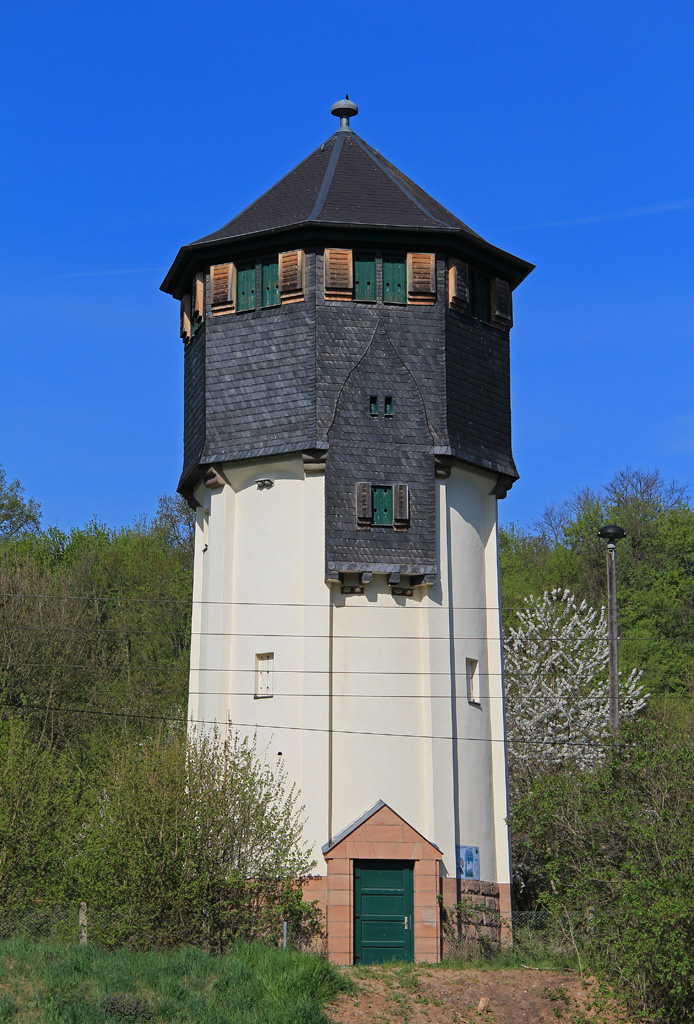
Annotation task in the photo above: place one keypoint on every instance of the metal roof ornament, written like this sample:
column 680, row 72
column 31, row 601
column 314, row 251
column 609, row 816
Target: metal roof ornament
column 344, row 109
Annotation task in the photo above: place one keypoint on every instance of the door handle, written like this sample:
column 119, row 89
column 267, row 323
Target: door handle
column 407, row 922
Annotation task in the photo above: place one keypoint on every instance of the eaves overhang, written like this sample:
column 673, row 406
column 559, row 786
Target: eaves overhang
column 192, row 258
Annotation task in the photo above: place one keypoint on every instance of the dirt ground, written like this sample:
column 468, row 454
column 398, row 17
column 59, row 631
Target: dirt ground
column 417, row 994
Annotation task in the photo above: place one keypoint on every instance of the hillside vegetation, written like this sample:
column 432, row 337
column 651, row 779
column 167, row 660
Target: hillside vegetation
column 104, row 797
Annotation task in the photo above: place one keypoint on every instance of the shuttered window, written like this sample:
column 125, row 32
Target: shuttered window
column 401, row 506
column 365, row 278
column 185, row 317
column 291, row 274
column 373, row 405
column 197, row 311
column 364, row 504
column 388, row 405
column 338, row 273
column 222, row 288
column 394, row 280
column 382, row 504
column 501, row 302
column 457, row 283
column 245, row 287
column 271, row 284
column 421, row 277
column 479, row 295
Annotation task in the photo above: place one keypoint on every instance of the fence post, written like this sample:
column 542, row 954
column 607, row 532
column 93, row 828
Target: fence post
column 284, row 935
column 82, row 922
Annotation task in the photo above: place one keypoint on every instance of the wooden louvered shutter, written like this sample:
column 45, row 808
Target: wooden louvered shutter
column 222, row 287
column 401, row 506
column 421, row 277
column 501, row 308
column 364, row 504
column 185, row 317
column 198, row 310
column 291, row 271
column 458, row 284
column 338, row 272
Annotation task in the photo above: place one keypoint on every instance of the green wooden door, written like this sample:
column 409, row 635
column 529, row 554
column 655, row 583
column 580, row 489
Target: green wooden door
column 383, row 906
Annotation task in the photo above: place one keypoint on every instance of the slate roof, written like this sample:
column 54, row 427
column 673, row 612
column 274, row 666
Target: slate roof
column 344, row 183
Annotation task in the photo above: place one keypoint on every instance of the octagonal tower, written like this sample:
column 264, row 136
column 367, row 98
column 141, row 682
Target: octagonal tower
column 347, row 437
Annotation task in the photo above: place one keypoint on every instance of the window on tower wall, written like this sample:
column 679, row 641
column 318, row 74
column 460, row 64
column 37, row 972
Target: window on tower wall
column 271, row 284
column 395, row 280
column 245, row 287
column 364, row 278
column 383, row 505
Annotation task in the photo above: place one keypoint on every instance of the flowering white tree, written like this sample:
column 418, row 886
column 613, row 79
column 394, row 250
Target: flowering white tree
column 557, row 686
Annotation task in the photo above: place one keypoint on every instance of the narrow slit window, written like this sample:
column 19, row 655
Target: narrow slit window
column 264, row 670
column 373, row 405
column 271, row 284
column 472, row 680
column 388, row 405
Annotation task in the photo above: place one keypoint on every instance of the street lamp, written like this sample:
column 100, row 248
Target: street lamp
column 612, row 534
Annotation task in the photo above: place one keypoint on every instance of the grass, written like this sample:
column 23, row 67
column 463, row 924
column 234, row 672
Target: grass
column 41, row 983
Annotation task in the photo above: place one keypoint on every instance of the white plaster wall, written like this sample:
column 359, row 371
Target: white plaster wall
column 369, row 690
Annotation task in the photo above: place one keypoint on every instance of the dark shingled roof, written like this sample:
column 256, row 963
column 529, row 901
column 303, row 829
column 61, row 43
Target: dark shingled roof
column 344, row 181
column 343, row 184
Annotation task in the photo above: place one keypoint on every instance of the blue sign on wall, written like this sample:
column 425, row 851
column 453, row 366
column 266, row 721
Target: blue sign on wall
column 467, row 862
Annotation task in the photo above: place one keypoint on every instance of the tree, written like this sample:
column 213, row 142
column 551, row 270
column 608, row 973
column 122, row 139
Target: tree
column 655, row 577
column 16, row 515
column 555, row 669
column 611, row 852
column 192, row 839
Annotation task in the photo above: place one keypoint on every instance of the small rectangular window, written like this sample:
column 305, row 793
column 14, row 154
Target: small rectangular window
column 388, row 405
column 473, row 691
column 271, row 284
column 395, row 280
column 382, row 504
column 373, row 405
column 365, row 279
column 264, row 666
column 245, row 287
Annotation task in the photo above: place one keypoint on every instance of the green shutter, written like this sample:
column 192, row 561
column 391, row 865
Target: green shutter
column 388, row 405
column 395, row 281
column 271, row 284
column 245, row 287
column 373, row 405
column 382, row 498
column 365, row 279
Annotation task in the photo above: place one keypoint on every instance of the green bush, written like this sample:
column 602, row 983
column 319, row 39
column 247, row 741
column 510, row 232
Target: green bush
column 611, row 853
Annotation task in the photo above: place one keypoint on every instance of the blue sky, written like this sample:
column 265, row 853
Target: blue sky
column 562, row 133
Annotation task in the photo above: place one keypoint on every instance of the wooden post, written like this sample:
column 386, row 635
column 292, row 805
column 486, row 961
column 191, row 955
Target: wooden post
column 82, row 922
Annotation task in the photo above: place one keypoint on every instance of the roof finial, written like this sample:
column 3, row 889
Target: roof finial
column 344, row 109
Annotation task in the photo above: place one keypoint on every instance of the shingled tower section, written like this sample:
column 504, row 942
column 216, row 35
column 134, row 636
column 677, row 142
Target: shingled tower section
column 347, row 434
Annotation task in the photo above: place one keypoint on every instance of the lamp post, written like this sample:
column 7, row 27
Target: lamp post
column 612, row 534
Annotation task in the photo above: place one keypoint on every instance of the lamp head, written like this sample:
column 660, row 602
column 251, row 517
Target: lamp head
column 611, row 533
